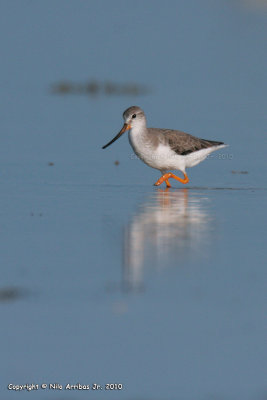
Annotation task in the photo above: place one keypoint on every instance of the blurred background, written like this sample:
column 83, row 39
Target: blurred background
column 105, row 278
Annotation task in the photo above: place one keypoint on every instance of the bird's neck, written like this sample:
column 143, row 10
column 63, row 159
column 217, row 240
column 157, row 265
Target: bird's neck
column 139, row 129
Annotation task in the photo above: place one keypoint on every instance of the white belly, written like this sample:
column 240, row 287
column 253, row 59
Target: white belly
column 144, row 149
column 162, row 157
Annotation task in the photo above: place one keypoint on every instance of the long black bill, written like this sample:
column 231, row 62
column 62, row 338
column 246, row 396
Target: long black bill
column 124, row 128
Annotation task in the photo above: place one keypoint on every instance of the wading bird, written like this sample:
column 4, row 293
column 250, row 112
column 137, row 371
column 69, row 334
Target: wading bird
column 164, row 149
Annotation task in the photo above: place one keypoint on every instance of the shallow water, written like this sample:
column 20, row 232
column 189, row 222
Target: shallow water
column 104, row 277
column 168, row 288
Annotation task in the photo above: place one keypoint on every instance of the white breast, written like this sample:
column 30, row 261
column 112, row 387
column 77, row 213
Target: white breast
column 161, row 156
column 142, row 146
column 155, row 155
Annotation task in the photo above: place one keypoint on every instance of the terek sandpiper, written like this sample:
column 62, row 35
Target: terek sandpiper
column 164, row 149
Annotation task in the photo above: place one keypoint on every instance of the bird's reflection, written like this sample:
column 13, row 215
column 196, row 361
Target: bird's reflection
column 171, row 227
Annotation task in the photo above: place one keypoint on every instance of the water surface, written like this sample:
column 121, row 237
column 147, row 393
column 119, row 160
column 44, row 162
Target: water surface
column 105, row 278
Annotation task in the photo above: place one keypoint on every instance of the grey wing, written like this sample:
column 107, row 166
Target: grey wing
column 183, row 143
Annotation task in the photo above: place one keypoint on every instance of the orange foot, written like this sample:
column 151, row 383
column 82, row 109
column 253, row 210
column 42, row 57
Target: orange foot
column 166, row 177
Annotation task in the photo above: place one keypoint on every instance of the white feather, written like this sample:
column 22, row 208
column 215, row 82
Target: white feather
column 163, row 157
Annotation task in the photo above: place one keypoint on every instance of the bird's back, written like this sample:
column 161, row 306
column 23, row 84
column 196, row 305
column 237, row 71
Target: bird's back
column 181, row 143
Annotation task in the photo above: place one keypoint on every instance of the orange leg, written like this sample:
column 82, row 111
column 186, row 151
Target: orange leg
column 167, row 183
column 165, row 178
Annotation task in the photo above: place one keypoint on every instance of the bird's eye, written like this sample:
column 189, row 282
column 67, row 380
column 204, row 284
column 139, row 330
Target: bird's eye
column 134, row 116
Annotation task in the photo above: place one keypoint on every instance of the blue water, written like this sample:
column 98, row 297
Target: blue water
column 105, row 278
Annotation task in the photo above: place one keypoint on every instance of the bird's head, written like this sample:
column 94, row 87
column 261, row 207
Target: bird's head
column 133, row 117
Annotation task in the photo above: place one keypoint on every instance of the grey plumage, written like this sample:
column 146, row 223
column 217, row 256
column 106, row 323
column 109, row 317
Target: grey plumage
column 164, row 149
column 133, row 110
column 181, row 142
